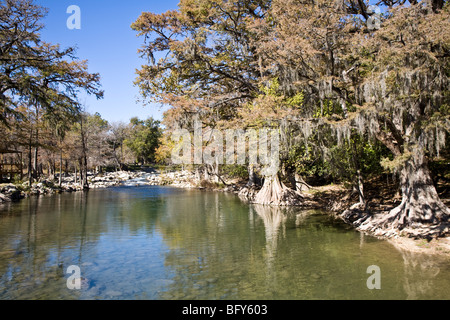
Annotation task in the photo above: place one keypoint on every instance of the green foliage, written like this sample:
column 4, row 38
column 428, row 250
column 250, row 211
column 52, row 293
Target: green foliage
column 339, row 162
column 303, row 160
column 392, row 164
column 211, row 185
column 357, row 153
column 330, row 107
column 16, row 180
column 272, row 89
column 325, row 110
column 296, row 100
column 34, row 73
column 96, row 121
column 144, row 139
column 235, row 171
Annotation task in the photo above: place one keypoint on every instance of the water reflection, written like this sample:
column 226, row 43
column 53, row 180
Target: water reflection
column 431, row 270
column 274, row 219
column 280, row 253
column 164, row 243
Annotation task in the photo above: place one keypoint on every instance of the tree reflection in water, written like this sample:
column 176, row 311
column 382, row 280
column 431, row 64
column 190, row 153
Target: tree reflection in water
column 165, row 243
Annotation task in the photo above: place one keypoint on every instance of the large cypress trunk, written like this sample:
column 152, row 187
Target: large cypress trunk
column 420, row 200
column 271, row 192
column 420, row 209
column 275, row 192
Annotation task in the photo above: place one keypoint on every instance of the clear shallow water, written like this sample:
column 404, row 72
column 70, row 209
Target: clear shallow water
column 165, row 243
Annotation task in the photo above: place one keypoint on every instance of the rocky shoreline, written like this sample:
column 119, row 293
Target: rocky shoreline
column 179, row 179
column 14, row 192
column 10, row 192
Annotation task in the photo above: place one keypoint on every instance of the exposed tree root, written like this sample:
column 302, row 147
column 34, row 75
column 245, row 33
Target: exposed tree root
column 276, row 193
column 427, row 219
column 248, row 193
column 421, row 214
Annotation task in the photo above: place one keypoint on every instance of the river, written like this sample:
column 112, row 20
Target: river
column 151, row 242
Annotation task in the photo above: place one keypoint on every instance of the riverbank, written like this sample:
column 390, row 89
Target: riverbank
column 382, row 196
column 337, row 199
column 10, row 192
column 332, row 198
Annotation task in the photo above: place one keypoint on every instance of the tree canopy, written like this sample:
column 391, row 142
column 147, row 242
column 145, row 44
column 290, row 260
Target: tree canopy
column 35, row 72
column 320, row 72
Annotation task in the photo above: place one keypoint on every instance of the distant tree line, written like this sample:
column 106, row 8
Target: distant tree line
column 90, row 143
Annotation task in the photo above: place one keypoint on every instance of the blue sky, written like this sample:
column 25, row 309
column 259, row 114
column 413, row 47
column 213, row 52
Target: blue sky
column 108, row 43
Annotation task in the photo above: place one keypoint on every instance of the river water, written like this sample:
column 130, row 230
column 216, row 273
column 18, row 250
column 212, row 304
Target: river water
column 152, row 242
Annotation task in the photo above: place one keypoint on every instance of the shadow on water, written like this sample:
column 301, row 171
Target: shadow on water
column 167, row 243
